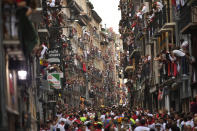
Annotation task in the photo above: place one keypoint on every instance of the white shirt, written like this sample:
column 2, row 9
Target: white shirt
column 61, row 127
column 152, row 125
column 87, row 129
column 159, row 6
column 139, row 14
column 43, row 51
column 149, row 58
column 102, row 117
column 172, row 58
column 142, row 128
column 144, row 9
column 52, row 4
column 179, row 53
column 190, row 123
column 63, row 119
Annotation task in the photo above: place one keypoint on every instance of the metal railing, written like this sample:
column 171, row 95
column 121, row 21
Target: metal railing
column 96, row 35
column 10, row 26
column 188, row 15
column 146, row 71
column 160, row 19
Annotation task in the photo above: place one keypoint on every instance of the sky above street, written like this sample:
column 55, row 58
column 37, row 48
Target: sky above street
column 108, row 11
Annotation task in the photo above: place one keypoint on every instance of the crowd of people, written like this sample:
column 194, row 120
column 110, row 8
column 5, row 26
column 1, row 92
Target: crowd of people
column 120, row 119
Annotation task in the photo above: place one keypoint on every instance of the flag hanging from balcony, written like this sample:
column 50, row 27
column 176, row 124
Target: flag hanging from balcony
column 174, row 2
column 84, row 67
column 160, row 95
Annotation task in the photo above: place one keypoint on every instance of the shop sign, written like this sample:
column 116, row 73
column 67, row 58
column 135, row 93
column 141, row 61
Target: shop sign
column 55, row 80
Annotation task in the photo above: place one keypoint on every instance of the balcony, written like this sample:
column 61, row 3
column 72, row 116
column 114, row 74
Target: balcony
column 129, row 68
column 86, row 16
column 103, row 38
column 86, row 37
column 166, row 19
column 37, row 15
column 44, row 85
column 11, row 40
column 155, row 26
column 74, row 6
column 82, row 20
column 96, row 35
column 96, row 16
column 42, row 30
column 188, row 19
column 162, row 22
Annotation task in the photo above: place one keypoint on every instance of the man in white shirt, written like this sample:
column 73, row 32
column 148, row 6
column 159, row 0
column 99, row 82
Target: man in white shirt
column 178, row 53
column 60, row 126
column 102, row 117
column 142, row 126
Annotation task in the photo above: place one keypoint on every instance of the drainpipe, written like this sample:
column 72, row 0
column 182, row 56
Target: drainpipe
column 3, row 114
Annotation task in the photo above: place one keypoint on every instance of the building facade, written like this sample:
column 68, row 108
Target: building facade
column 54, row 55
column 152, row 32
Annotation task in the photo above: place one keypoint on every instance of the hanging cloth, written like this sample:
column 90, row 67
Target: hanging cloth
column 84, row 67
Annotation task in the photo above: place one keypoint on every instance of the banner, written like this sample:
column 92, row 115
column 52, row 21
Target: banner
column 54, row 80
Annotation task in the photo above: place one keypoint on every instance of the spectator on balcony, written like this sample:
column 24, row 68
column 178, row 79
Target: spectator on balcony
column 194, row 65
column 195, row 124
column 172, row 64
column 51, row 3
column 27, row 33
column 43, row 50
column 193, row 105
column 26, row 6
column 183, row 55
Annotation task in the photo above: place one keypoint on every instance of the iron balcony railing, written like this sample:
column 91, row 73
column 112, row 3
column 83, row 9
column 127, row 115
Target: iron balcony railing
column 188, row 14
column 10, row 22
column 160, row 19
column 96, row 35
column 146, row 71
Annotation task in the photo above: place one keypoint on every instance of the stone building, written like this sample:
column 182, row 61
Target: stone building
column 151, row 31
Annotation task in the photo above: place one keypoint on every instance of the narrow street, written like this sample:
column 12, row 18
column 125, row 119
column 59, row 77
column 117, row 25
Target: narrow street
column 98, row 65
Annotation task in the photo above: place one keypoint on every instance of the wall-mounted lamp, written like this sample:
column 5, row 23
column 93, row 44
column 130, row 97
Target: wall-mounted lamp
column 22, row 75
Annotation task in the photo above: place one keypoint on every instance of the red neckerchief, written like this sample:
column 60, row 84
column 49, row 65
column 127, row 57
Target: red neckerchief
column 134, row 117
column 66, row 116
column 71, row 119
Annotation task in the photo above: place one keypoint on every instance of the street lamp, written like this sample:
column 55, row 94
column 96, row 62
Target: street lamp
column 22, row 75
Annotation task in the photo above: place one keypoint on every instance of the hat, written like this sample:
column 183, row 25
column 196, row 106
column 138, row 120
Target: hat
column 184, row 44
column 77, row 121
